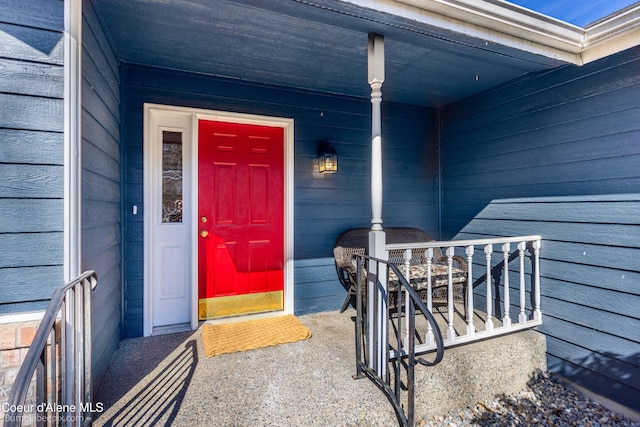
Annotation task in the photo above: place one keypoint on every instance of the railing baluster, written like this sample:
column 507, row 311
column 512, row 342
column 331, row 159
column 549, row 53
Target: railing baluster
column 411, row 316
column 375, row 309
column 88, row 366
column 451, row 332
column 78, row 367
column 382, row 293
column 397, row 377
column 429, row 255
column 471, row 329
column 523, row 315
column 407, row 272
column 55, row 386
column 359, row 320
column 64, row 349
column 41, row 379
column 69, row 374
column 506, row 319
column 537, row 314
column 372, row 308
column 488, row 249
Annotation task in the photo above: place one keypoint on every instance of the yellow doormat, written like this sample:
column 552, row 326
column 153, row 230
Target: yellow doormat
column 242, row 336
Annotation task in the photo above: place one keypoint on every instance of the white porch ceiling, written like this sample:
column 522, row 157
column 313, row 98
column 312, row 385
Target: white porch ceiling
column 434, row 55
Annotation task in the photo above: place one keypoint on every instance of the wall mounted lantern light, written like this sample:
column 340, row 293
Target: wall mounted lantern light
column 327, row 158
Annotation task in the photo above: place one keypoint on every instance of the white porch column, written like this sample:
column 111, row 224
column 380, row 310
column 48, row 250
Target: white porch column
column 376, row 78
column 377, row 240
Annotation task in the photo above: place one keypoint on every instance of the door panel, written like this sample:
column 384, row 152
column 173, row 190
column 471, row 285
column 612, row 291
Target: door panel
column 241, row 218
column 224, row 197
column 172, row 272
column 168, row 201
column 259, row 194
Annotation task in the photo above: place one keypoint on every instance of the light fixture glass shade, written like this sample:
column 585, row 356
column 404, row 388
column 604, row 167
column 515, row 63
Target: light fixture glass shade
column 327, row 158
column 328, row 163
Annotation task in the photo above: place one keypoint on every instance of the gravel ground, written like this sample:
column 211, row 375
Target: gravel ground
column 546, row 402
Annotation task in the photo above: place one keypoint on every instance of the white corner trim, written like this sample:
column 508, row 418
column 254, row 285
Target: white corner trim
column 501, row 22
column 147, row 321
column 72, row 138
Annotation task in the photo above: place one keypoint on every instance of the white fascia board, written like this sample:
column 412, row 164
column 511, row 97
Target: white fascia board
column 501, row 22
column 617, row 24
column 611, row 45
column 495, row 21
column 620, row 32
column 510, row 19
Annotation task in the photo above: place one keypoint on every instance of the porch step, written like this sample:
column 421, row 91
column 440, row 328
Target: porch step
column 478, row 372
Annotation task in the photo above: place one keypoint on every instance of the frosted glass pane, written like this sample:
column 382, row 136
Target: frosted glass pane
column 171, row 176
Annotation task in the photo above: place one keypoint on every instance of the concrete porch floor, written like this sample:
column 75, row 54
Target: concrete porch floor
column 167, row 380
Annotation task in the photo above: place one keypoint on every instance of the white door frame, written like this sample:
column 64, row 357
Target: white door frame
column 195, row 115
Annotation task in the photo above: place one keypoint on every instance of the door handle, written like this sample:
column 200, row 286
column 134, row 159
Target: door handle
column 204, row 233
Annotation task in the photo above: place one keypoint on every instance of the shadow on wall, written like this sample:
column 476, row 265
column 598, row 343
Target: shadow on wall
column 589, row 275
column 610, row 369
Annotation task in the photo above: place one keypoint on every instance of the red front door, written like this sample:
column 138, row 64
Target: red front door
column 240, row 218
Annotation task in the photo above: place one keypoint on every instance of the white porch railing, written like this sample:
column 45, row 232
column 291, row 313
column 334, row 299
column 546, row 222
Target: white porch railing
column 500, row 258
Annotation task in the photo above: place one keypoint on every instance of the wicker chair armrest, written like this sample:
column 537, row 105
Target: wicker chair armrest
column 460, row 263
column 344, row 256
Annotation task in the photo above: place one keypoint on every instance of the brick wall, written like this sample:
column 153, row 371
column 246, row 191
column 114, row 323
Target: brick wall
column 15, row 339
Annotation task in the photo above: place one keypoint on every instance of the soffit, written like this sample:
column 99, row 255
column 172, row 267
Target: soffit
column 431, row 59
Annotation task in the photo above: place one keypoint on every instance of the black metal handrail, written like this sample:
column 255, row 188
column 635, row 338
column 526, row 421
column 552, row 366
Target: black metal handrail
column 60, row 358
column 406, row 353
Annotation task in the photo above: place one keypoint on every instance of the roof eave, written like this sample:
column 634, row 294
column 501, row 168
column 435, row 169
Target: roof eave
column 615, row 34
column 498, row 21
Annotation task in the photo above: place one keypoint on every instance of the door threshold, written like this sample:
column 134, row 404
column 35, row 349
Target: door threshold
column 171, row 329
column 244, row 318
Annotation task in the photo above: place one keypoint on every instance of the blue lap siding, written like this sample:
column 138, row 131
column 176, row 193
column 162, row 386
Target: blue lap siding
column 31, row 153
column 101, row 172
column 32, row 169
column 558, row 154
column 325, row 205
